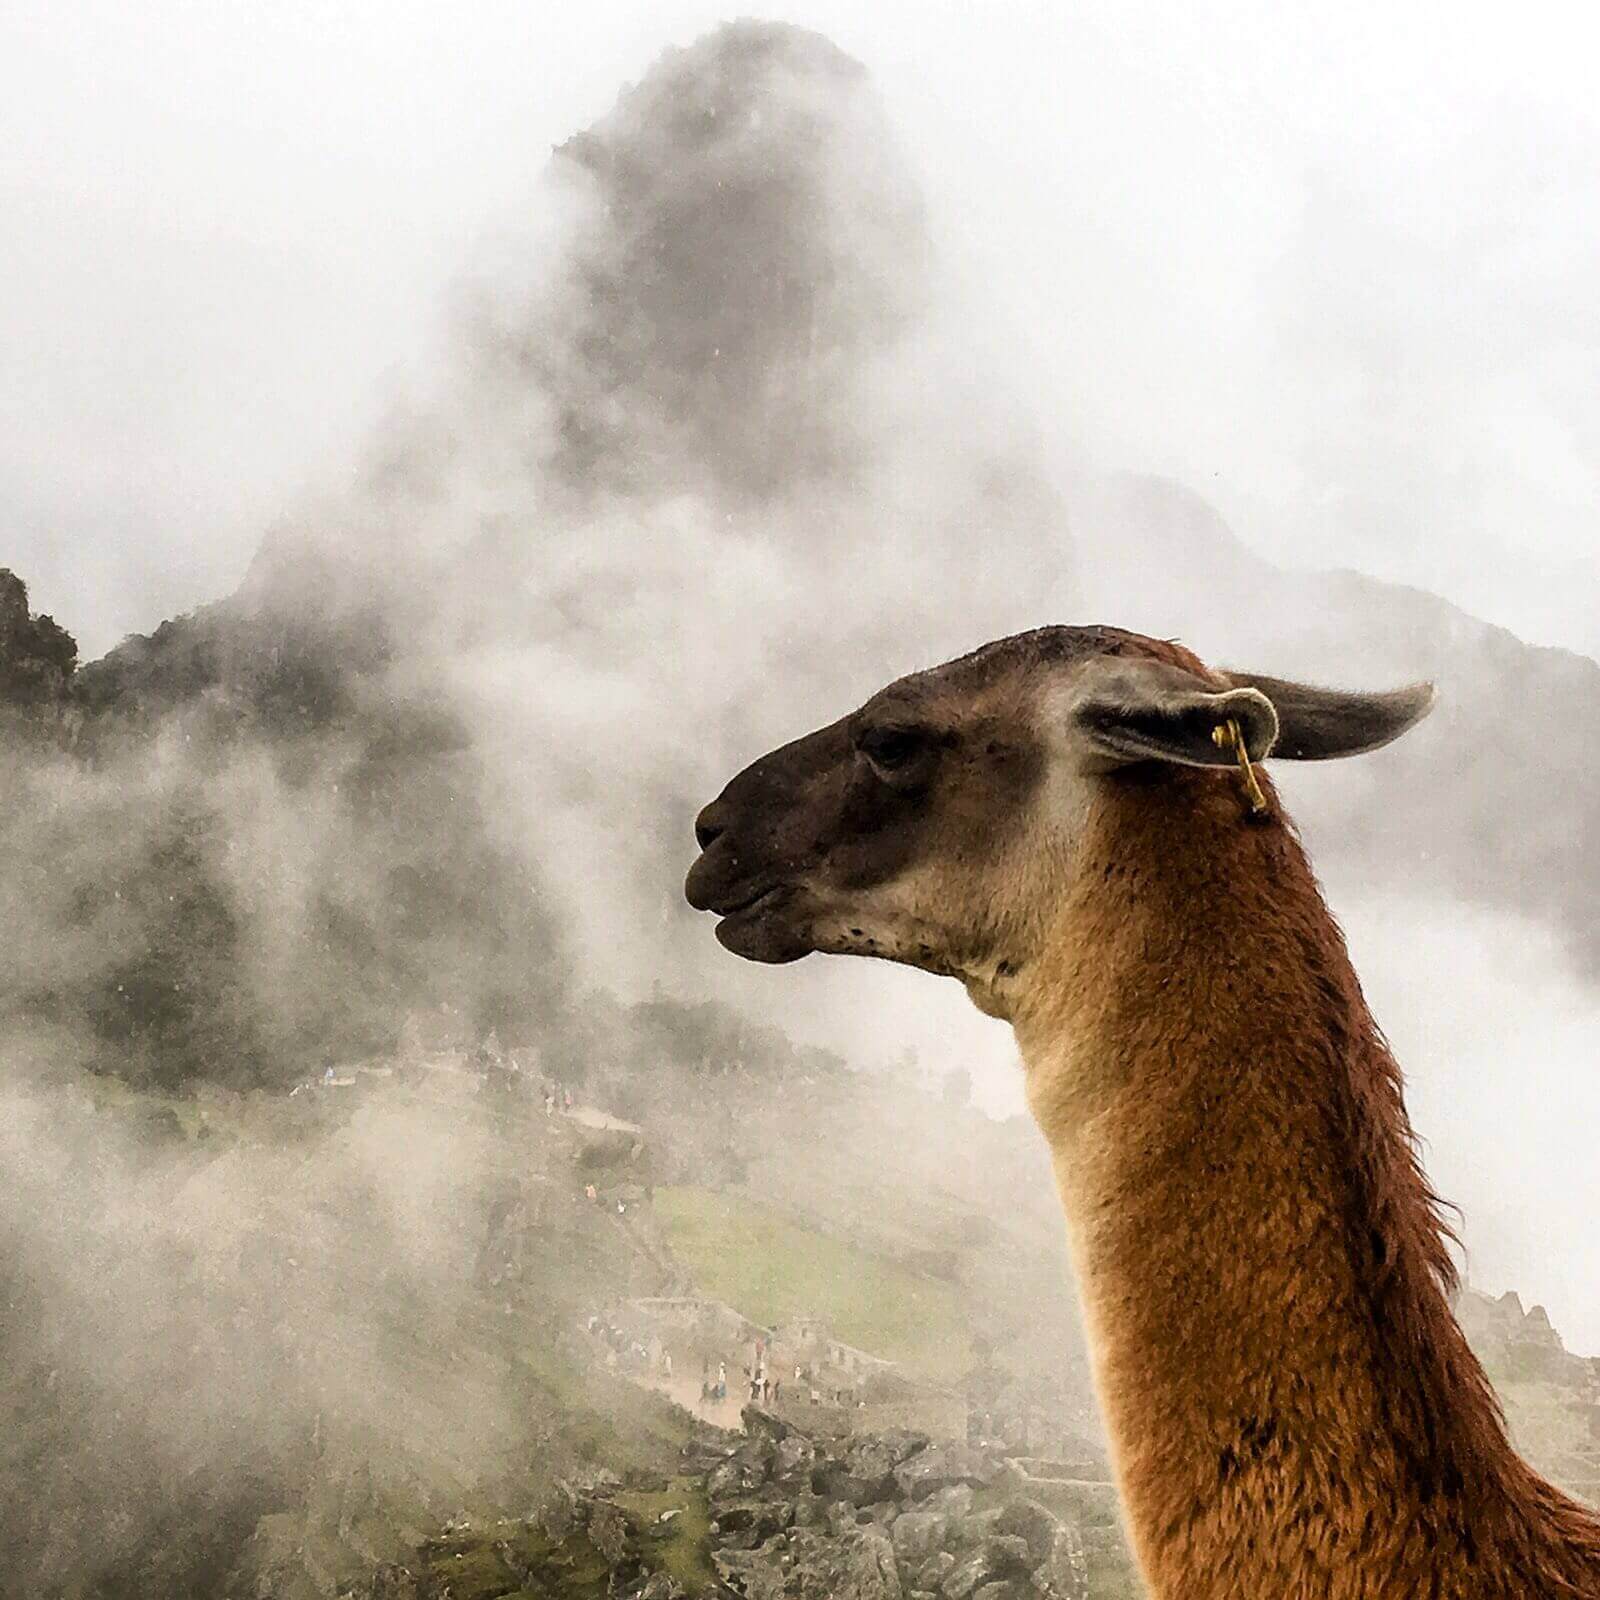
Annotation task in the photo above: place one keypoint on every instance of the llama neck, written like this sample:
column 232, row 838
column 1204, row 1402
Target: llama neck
column 1257, row 1253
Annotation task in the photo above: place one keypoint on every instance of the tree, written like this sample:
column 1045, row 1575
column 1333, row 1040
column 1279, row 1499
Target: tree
column 37, row 655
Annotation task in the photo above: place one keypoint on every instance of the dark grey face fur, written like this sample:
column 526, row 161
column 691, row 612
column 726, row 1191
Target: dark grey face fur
column 918, row 827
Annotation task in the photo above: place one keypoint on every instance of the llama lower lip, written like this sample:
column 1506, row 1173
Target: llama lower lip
column 759, row 931
column 750, row 906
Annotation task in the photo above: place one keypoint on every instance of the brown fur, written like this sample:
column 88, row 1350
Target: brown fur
column 1293, row 1409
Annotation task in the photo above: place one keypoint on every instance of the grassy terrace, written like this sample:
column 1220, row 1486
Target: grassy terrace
column 772, row 1268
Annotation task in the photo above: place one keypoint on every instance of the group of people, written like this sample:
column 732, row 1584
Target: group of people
column 764, row 1388
column 759, row 1384
column 713, row 1391
column 592, row 1193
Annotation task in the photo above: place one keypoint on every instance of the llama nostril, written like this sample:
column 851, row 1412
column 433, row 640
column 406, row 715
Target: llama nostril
column 707, row 830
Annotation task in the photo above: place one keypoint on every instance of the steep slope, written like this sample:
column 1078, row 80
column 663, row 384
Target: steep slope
column 1494, row 800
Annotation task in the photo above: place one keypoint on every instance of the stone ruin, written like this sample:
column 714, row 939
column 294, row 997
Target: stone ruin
column 773, row 1514
column 889, row 1516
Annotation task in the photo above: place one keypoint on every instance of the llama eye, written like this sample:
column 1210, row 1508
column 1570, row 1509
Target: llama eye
column 890, row 748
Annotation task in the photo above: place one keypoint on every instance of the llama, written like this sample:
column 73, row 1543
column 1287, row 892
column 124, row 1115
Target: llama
column 1070, row 822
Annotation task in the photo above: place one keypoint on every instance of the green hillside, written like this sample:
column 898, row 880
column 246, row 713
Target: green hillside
column 773, row 1269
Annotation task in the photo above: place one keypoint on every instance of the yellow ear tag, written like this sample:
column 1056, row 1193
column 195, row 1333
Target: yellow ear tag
column 1227, row 736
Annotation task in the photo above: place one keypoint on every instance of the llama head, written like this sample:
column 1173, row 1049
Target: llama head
column 938, row 824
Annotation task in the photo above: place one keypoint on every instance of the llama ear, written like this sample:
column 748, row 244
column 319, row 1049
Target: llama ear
column 1149, row 711
column 1321, row 724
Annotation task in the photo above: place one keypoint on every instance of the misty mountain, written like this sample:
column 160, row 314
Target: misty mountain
column 712, row 461
column 232, row 851
column 1493, row 800
column 716, row 451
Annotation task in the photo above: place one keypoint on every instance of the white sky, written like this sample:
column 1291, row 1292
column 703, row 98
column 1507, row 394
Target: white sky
column 1334, row 267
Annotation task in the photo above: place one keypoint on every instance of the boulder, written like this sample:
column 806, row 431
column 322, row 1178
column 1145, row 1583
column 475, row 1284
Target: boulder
column 942, row 1465
column 793, row 1459
column 876, row 1455
column 737, row 1478
column 705, row 1451
column 755, row 1457
column 1064, row 1572
column 609, row 1533
column 918, row 1534
column 993, row 1560
column 1031, row 1522
column 870, row 1566
column 835, row 1481
column 840, row 1518
column 804, row 1565
column 904, row 1443
column 736, row 1568
column 935, row 1570
column 810, row 1511
column 966, row 1532
column 557, row 1517
column 764, row 1424
column 955, row 1501
column 1004, row 1591
column 661, row 1586
column 753, row 1522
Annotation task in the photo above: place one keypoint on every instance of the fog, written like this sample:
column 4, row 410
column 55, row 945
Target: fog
column 586, row 479
column 1332, row 269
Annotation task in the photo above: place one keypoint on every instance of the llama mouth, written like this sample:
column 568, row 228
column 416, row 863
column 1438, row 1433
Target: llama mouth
column 752, row 931
column 754, row 902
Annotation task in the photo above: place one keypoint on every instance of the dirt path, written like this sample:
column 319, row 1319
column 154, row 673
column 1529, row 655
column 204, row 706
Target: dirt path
column 686, row 1393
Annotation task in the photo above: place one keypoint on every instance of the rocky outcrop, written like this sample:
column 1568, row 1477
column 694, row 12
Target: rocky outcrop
column 1550, row 1396
column 783, row 1516
column 889, row 1516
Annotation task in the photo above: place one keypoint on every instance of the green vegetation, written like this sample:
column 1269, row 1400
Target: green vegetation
column 772, row 1269
column 37, row 655
column 527, row 1565
column 685, row 1552
column 515, row 1561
